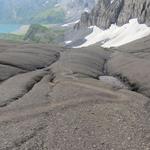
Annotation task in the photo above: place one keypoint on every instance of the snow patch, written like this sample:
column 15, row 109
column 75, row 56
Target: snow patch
column 112, row 1
column 116, row 36
column 86, row 10
column 57, row 5
column 68, row 42
column 69, row 24
column 45, row 3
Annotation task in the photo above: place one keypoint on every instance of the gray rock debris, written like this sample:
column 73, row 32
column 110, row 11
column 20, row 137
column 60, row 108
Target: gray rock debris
column 114, row 82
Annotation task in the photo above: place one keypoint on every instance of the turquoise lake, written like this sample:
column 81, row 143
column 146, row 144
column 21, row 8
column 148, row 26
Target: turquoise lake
column 8, row 28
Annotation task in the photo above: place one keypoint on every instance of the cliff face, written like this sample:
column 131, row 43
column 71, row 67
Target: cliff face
column 107, row 12
column 135, row 9
column 74, row 8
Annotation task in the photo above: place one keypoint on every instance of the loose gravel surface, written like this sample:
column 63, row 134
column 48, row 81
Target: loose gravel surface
column 51, row 98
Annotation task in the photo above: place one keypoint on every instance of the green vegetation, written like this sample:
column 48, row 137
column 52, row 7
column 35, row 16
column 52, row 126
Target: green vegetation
column 41, row 34
column 31, row 12
column 11, row 37
column 37, row 34
column 52, row 15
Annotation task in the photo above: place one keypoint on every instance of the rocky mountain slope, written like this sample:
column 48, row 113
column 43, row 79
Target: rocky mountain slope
column 107, row 12
column 44, row 34
column 112, row 23
column 75, row 8
column 42, row 11
column 59, row 98
column 52, row 98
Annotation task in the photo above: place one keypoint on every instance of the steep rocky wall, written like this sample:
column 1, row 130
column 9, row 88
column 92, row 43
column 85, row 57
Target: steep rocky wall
column 135, row 9
column 74, row 8
column 107, row 12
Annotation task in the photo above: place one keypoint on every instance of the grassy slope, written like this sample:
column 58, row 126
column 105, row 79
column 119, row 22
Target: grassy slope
column 11, row 37
column 52, row 15
column 37, row 34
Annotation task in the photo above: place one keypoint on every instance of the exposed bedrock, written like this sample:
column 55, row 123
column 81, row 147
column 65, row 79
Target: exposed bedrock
column 131, row 62
column 85, row 62
column 21, row 58
column 107, row 12
column 64, row 106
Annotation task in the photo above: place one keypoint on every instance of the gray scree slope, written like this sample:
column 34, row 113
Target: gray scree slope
column 52, row 99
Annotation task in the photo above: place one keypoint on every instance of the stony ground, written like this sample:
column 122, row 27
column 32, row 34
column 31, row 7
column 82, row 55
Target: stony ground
column 51, row 98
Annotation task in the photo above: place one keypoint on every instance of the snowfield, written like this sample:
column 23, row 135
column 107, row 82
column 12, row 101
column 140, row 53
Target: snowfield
column 116, row 36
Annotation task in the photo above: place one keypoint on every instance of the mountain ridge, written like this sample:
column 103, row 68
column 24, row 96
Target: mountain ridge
column 107, row 12
column 42, row 11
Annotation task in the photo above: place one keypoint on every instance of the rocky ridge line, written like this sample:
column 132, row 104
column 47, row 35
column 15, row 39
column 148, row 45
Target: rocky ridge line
column 108, row 12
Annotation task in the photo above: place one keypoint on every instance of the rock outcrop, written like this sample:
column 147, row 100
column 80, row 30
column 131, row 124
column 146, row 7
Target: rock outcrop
column 107, row 12
column 75, row 8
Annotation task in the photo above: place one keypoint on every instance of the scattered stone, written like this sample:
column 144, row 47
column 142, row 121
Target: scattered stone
column 114, row 82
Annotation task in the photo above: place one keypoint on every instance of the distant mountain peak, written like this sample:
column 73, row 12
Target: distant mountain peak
column 42, row 11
